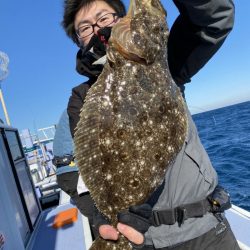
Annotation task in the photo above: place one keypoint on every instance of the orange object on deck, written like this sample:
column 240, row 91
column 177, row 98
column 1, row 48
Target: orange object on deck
column 65, row 217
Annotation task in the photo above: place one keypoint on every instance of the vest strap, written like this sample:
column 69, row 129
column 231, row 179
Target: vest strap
column 180, row 214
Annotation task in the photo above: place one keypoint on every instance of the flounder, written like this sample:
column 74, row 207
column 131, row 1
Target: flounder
column 133, row 122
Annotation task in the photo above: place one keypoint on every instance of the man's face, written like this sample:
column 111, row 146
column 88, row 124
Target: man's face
column 89, row 16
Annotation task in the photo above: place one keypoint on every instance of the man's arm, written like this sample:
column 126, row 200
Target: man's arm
column 75, row 104
column 198, row 32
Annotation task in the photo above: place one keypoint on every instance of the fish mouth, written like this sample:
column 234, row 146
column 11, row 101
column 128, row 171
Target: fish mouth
column 122, row 37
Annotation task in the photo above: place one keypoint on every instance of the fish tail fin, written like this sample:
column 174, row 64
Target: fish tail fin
column 120, row 244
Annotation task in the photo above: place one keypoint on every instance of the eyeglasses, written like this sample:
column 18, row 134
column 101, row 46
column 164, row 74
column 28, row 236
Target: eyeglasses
column 103, row 21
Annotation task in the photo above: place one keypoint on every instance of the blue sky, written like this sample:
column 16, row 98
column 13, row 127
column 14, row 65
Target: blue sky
column 42, row 63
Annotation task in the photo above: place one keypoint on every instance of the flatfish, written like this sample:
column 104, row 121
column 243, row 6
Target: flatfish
column 133, row 122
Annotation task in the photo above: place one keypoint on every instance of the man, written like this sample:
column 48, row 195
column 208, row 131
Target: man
column 86, row 58
column 196, row 35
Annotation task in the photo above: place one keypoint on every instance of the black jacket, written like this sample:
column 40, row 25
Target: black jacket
column 196, row 35
column 76, row 101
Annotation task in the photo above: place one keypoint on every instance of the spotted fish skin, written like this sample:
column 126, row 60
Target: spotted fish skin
column 133, row 122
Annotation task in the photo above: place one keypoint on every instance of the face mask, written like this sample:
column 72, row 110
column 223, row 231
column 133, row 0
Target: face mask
column 98, row 43
column 88, row 55
column 85, row 66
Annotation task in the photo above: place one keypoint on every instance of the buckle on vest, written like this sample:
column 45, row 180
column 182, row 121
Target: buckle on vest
column 167, row 217
column 156, row 220
column 181, row 215
column 61, row 161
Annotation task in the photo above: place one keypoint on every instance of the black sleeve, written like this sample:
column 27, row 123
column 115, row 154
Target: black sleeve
column 75, row 104
column 196, row 35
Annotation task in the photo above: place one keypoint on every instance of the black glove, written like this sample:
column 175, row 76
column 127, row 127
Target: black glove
column 137, row 217
column 220, row 200
column 99, row 219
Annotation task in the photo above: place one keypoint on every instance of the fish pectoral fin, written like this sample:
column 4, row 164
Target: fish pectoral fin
column 121, row 39
column 129, row 54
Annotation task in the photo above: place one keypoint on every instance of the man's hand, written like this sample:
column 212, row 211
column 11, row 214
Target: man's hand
column 108, row 232
column 131, row 234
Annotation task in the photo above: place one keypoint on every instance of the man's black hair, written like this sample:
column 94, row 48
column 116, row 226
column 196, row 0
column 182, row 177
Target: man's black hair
column 71, row 7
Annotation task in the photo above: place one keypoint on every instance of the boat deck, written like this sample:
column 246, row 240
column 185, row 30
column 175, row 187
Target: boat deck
column 78, row 236
column 73, row 236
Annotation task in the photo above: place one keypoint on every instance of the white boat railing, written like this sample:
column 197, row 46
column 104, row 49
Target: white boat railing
column 239, row 220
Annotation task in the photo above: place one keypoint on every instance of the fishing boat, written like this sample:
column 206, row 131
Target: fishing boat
column 25, row 221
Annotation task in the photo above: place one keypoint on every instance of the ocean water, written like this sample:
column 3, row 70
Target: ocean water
column 225, row 134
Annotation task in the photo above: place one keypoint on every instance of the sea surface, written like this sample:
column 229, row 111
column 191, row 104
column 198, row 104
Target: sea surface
column 225, row 134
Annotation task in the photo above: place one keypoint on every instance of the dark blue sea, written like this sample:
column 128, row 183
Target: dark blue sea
column 225, row 133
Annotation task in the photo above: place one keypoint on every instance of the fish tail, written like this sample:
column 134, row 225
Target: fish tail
column 120, row 244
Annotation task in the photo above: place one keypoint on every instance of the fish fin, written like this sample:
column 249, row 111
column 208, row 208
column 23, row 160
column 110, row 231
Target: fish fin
column 121, row 244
